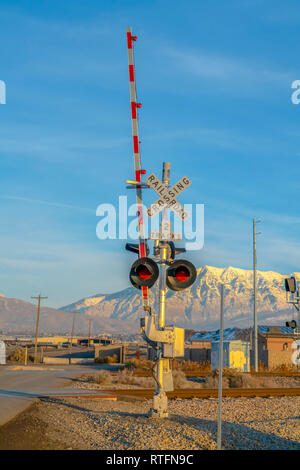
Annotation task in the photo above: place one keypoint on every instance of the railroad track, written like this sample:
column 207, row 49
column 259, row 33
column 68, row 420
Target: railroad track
column 208, row 373
column 212, row 392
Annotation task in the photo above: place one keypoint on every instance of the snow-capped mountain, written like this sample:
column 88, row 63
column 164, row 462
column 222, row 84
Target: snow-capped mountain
column 199, row 306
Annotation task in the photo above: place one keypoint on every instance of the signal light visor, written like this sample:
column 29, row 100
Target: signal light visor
column 144, row 272
column 181, row 275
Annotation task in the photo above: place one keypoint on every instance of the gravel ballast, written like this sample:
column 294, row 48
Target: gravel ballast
column 248, row 423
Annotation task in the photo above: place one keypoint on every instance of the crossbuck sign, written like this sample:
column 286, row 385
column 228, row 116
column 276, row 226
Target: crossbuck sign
column 167, row 196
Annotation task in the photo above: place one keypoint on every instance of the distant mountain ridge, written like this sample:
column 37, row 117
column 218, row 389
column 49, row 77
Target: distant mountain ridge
column 198, row 307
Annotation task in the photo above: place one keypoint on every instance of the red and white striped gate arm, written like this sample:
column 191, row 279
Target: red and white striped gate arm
column 136, row 153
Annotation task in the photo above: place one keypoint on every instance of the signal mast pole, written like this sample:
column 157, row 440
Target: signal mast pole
column 160, row 400
column 255, row 325
column 254, row 299
column 137, row 157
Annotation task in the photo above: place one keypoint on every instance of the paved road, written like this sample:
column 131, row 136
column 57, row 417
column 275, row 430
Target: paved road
column 19, row 388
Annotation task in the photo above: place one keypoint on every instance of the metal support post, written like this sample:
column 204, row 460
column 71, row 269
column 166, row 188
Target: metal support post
column 89, row 340
column 160, row 400
column 26, row 355
column 72, row 335
column 298, row 322
column 254, row 300
column 219, row 436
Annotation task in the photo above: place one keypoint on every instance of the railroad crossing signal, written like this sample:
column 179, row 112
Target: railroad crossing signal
column 167, row 196
column 167, row 341
column 181, row 275
column 291, row 324
column 290, row 285
column 165, row 233
column 144, row 273
column 293, row 297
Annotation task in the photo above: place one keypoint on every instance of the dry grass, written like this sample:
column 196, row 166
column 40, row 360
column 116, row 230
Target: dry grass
column 144, row 366
column 232, row 378
column 123, row 377
column 102, row 378
column 127, row 377
column 107, row 360
column 139, row 365
column 190, row 366
column 19, row 356
column 284, row 369
column 180, row 380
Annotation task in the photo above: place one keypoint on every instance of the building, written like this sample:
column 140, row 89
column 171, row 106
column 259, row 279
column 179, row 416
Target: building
column 236, row 354
column 274, row 346
column 198, row 347
column 117, row 350
column 200, row 351
column 2, row 353
column 103, row 341
column 58, row 340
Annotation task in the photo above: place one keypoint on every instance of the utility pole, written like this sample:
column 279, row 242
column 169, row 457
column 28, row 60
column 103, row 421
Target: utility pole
column 72, row 334
column 255, row 326
column 26, row 355
column 39, row 297
column 219, row 435
column 90, row 321
column 254, row 299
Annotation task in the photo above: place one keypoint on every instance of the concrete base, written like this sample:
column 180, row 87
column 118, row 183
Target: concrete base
column 160, row 406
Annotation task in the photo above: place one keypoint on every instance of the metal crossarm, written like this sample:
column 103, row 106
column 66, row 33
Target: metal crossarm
column 136, row 155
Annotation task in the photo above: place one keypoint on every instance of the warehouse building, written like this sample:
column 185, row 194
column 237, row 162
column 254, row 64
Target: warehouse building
column 204, row 347
column 275, row 347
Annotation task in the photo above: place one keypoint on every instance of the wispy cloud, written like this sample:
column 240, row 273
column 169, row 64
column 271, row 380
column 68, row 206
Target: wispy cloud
column 282, row 251
column 37, row 141
column 226, row 138
column 63, row 271
column 47, row 203
column 236, row 71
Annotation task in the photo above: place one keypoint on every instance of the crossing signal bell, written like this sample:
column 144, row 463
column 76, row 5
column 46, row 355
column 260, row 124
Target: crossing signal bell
column 291, row 324
column 181, row 275
column 144, row 273
column 290, row 285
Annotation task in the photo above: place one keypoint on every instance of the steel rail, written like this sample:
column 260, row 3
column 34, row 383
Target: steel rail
column 212, row 393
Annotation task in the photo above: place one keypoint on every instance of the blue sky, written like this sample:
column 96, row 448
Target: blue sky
column 215, row 82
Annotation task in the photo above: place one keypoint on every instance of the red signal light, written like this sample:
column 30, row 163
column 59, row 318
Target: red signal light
column 144, row 272
column 181, row 275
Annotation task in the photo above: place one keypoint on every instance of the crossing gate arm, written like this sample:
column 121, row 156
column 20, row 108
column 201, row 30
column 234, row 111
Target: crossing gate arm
column 136, row 155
